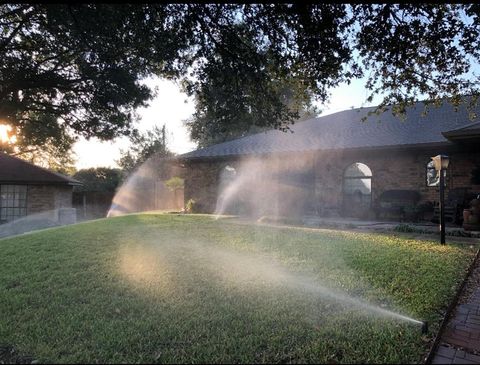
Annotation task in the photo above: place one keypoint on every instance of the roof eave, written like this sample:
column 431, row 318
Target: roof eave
column 462, row 135
column 350, row 149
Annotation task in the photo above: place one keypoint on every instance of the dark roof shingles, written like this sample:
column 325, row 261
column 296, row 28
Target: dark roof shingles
column 15, row 170
column 346, row 129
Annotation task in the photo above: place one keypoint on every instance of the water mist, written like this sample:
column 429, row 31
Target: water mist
column 144, row 189
column 275, row 187
column 42, row 220
column 256, row 187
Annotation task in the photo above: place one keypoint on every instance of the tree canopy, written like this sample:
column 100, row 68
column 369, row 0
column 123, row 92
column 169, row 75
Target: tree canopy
column 104, row 179
column 82, row 65
column 142, row 147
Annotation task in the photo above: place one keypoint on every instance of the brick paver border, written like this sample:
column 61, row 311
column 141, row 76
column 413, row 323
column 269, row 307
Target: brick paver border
column 458, row 340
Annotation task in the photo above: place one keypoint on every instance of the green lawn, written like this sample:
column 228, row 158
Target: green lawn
column 169, row 289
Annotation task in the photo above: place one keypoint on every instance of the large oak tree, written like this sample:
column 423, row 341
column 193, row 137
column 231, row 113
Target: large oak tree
column 81, row 65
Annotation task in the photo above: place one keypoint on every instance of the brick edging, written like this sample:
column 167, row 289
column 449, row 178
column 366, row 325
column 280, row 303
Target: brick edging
column 450, row 309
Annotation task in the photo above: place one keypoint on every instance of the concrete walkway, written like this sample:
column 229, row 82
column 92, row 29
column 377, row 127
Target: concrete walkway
column 460, row 341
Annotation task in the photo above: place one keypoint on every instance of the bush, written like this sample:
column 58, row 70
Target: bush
column 175, row 183
column 190, row 206
column 408, row 229
column 458, row 233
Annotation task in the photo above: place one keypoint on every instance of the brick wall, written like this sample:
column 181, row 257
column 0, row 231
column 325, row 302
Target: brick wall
column 201, row 184
column 48, row 197
column 390, row 170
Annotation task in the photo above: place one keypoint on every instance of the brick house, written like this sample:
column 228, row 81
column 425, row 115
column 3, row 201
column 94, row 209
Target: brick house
column 27, row 189
column 342, row 162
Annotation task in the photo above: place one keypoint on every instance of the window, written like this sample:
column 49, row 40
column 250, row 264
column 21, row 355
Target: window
column 357, row 185
column 433, row 177
column 227, row 176
column 13, row 202
column 229, row 173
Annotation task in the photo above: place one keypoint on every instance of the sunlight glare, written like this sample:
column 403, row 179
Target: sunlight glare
column 5, row 135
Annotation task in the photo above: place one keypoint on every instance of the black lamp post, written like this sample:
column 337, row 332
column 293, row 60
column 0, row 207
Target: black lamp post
column 441, row 164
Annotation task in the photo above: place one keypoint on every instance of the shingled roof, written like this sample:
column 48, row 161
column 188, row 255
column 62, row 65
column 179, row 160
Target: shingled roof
column 470, row 131
column 16, row 171
column 346, row 130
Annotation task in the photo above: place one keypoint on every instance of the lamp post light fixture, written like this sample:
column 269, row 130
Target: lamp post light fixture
column 441, row 164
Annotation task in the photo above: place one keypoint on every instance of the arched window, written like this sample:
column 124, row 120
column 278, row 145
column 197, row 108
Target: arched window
column 357, row 188
column 228, row 174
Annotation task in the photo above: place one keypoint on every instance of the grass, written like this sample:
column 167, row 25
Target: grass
column 176, row 289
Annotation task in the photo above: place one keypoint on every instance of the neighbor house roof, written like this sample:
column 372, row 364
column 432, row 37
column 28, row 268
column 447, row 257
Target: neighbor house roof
column 346, row 130
column 16, row 171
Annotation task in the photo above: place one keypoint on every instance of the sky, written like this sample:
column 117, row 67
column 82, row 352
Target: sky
column 172, row 107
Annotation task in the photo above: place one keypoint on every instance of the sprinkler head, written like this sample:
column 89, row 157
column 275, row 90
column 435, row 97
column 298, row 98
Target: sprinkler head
column 424, row 327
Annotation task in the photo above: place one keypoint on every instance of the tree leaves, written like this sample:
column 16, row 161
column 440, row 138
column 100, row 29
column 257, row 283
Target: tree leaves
column 143, row 146
column 84, row 63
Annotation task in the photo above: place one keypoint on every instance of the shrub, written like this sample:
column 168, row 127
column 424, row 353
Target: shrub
column 458, row 233
column 190, row 206
column 175, row 183
column 402, row 227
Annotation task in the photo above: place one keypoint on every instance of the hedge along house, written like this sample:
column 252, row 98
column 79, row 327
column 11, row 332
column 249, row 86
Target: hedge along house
column 339, row 164
column 26, row 189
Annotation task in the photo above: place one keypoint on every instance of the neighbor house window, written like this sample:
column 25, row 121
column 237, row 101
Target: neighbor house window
column 357, row 185
column 433, row 176
column 13, row 202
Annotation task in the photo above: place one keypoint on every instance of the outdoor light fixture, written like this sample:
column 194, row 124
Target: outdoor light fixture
column 441, row 164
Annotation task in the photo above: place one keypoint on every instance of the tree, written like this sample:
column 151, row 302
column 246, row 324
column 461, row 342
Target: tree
column 45, row 146
column 251, row 80
column 175, row 184
column 228, row 80
column 78, row 63
column 103, row 179
column 419, row 51
column 82, row 64
column 51, row 155
column 59, row 79
column 208, row 126
column 143, row 146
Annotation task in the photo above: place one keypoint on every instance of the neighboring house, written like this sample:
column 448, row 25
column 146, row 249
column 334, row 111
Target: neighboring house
column 339, row 164
column 26, row 189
